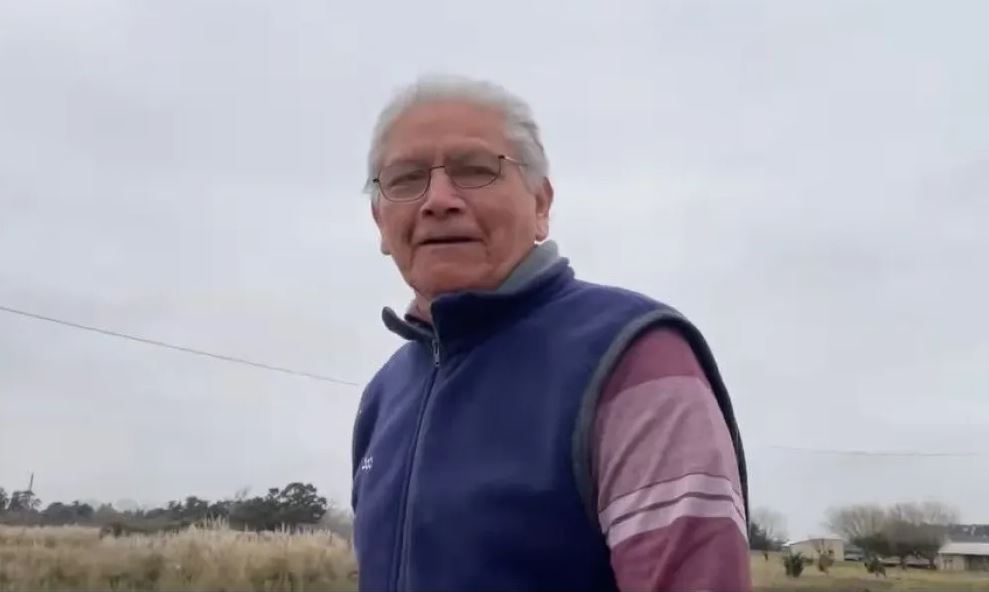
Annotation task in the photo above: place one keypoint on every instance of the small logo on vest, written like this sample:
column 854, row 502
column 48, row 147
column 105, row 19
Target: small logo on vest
column 366, row 463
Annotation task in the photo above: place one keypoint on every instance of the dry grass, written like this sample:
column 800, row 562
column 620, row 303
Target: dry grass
column 852, row 577
column 75, row 558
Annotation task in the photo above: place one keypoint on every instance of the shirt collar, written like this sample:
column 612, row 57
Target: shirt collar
column 458, row 314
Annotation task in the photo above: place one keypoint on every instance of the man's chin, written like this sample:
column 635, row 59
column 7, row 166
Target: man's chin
column 449, row 282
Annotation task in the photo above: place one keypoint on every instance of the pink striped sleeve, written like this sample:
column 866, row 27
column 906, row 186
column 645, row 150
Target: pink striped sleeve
column 669, row 499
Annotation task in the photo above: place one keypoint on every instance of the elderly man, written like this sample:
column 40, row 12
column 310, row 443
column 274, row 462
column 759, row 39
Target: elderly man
column 536, row 431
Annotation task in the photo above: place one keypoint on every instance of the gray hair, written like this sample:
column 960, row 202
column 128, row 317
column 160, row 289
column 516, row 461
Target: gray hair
column 521, row 129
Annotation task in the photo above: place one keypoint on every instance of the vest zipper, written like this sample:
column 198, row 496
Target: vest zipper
column 401, row 573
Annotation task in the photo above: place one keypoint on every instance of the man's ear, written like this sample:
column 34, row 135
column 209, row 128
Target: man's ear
column 544, row 201
column 377, row 220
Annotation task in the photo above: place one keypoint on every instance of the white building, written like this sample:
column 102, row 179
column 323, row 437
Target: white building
column 970, row 555
column 816, row 547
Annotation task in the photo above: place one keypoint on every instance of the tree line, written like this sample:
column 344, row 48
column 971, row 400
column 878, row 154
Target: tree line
column 767, row 531
column 904, row 531
column 295, row 506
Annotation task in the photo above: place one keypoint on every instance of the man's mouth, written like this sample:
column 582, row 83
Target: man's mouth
column 447, row 240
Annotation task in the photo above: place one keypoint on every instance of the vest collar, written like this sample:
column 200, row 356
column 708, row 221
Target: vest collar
column 460, row 316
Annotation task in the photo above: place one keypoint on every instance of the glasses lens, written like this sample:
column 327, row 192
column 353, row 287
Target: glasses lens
column 403, row 181
column 474, row 170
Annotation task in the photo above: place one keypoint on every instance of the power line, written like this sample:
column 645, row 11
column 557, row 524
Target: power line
column 314, row 376
column 181, row 348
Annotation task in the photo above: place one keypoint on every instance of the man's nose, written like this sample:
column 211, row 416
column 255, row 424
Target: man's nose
column 442, row 196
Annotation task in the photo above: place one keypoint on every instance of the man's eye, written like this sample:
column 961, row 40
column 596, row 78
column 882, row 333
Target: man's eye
column 407, row 178
column 475, row 169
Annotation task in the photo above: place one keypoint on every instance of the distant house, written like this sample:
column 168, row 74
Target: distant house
column 964, row 555
column 815, row 547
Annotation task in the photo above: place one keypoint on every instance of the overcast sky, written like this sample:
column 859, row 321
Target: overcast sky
column 809, row 182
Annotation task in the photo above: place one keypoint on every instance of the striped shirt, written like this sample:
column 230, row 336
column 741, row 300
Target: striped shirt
column 669, row 499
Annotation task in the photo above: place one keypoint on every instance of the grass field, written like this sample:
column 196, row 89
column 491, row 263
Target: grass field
column 76, row 558
column 852, row 577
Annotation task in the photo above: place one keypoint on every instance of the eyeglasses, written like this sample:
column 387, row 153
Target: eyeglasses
column 405, row 181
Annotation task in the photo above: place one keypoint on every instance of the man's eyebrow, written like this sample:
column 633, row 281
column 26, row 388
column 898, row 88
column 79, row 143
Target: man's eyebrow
column 406, row 159
column 467, row 152
column 425, row 156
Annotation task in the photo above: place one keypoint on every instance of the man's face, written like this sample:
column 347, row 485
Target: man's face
column 454, row 239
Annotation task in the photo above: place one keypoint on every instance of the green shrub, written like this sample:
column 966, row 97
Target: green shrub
column 793, row 564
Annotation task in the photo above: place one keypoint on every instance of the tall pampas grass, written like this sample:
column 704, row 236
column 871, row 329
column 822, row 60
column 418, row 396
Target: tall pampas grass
column 210, row 557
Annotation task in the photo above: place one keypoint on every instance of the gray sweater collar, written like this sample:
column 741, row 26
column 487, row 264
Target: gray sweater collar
column 540, row 258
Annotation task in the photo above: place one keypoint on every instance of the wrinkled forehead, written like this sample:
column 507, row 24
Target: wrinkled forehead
column 429, row 132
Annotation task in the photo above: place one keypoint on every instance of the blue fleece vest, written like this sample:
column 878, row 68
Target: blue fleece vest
column 471, row 449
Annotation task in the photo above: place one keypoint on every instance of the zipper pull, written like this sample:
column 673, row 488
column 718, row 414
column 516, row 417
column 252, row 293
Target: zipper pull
column 436, row 353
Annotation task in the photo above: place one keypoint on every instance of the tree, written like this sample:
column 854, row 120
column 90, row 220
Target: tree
column 857, row 521
column 23, row 501
column 904, row 530
column 105, row 514
column 82, row 510
column 874, row 545
column 918, row 530
column 300, row 503
column 874, row 566
column 862, row 525
column 193, row 509
column 58, row 513
column 758, row 541
column 254, row 513
column 793, row 564
column 770, row 531
column 219, row 510
column 295, row 505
